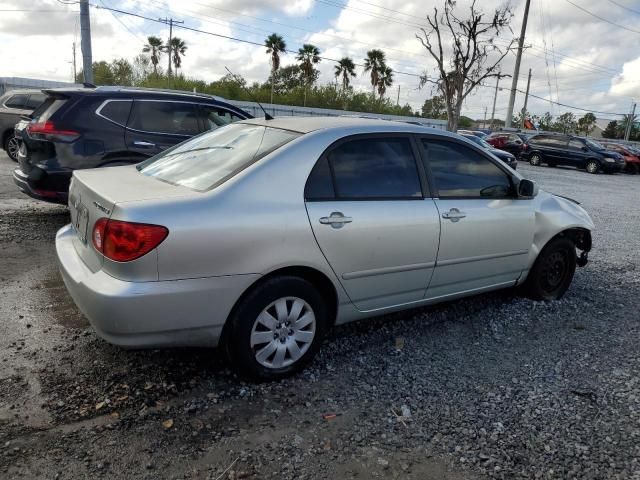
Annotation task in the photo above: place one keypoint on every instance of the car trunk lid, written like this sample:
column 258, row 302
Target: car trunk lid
column 94, row 193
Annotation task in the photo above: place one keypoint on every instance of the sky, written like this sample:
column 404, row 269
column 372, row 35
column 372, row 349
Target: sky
column 582, row 53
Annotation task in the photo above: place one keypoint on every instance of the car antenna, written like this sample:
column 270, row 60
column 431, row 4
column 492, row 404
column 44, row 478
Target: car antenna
column 235, row 77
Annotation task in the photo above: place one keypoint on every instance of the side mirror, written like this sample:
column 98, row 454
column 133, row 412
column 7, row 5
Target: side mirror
column 527, row 188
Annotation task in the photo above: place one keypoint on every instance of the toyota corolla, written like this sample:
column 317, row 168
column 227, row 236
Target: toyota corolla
column 260, row 236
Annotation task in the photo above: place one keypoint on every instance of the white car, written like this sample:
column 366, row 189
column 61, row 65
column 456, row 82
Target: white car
column 261, row 235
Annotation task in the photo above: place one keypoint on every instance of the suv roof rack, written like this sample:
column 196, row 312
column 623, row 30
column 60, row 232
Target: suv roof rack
column 168, row 91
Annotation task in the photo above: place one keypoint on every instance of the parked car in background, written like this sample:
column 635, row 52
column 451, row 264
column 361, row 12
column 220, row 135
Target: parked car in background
column 260, row 236
column 78, row 128
column 507, row 141
column 570, row 150
column 13, row 105
column 476, row 133
column 506, row 157
column 630, row 155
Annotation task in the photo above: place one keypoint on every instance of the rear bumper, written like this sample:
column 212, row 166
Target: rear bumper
column 44, row 186
column 149, row 314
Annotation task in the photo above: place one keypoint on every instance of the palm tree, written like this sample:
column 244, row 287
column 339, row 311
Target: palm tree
column 308, row 56
column 275, row 46
column 374, row 62
column 154, row 47
column 177, row 50
column 385, row 79
column 345, row 68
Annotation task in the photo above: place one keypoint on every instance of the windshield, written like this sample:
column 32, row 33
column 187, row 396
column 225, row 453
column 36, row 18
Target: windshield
column 479, row 141
column 594, row 145
column 209, row 160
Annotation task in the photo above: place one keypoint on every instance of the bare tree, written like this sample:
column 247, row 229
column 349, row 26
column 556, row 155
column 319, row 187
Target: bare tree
column 475, row 54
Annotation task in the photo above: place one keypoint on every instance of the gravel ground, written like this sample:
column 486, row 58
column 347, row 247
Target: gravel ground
column 493, row 386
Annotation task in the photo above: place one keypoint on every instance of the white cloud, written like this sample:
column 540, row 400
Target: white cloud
column 627, row 84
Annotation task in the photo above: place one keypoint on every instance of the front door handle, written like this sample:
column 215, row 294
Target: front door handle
column 336, row 220
column 454, row 215
column 142, row 143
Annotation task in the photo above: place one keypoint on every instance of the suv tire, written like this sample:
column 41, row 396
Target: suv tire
column 11, row 145
column 535, row 160
column 552, row 271
column 592, row 166
column 277, row 329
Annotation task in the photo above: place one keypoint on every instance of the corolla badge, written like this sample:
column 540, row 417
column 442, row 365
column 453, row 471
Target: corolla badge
column 104, row 210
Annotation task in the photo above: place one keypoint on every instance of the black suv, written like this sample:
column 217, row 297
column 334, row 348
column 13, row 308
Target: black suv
column 107, row 126
column 580, row 152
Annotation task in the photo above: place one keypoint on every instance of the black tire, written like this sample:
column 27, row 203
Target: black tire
column 592, row 166
column 11, row 145
column 552, row 271
column 244, row 319
column 535, row 159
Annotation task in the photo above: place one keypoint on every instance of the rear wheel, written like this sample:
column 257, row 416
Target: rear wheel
column 535, row 160
column 11, row 146
column 277, row 328
column 552, row 271
column 592, row 166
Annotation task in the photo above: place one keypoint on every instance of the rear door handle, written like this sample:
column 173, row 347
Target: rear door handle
column 336, row 220
column 142, row 143
column 454, row 215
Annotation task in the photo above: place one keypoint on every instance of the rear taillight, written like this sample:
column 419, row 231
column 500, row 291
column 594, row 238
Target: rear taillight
column 49, row 131
column 524, row 146
column 126, row 241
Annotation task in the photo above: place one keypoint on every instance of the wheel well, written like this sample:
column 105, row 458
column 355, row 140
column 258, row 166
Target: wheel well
column 581, row 237
column 317, row 278
column 5, row 136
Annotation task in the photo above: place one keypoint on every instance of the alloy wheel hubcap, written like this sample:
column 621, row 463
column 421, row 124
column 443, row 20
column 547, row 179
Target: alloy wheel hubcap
column 12, row 147
column 535, row 160
column 592, row 167
column 283, row 332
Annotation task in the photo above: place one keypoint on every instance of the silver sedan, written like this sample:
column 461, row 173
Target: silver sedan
column 260, row 236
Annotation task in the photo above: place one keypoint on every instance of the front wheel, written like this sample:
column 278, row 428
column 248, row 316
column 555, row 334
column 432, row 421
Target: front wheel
column 277, row 328
column 592, row 166
column 535, row 160
column 552, row 271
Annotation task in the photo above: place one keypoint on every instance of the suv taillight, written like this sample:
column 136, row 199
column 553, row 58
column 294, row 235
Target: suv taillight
column 125, row 241
column 48, row 131
column 524, row 146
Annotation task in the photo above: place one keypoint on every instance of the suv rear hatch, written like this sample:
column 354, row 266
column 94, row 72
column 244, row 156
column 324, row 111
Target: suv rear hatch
column 45, row 128
column 94, row 193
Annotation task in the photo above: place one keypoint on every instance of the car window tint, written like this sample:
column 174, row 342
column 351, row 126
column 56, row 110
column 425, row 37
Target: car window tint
column 320, row 183
column 17, row 101
column 459, row 171
column 558, row 142
column 164, row 117
column 117, row 111
column 216, row 117
column 375, row 168
column 210, row 159
column 35, row 100
column 576, row 144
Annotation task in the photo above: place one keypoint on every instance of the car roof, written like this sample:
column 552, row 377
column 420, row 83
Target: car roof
column 128, row 91
column 310, row 124
column 21, row 91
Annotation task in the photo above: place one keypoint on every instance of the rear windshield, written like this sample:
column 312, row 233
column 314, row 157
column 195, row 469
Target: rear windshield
column 208, row 160
column 50, row 106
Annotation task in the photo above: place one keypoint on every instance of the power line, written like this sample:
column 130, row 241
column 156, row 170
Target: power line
column 602, row 18
column 121, row 22
column 637, row 12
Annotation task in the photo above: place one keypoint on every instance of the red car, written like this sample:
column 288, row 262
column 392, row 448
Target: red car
column 631, row 156
column 513, row 143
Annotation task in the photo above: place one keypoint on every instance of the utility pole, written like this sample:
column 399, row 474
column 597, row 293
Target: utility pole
column 516, row 69
column 75, row 72
column 398, row 98
column 495, row 97
column 85, row 41
column 484, row 122
column 526, row 99
column 170, row 22
column 627, row 131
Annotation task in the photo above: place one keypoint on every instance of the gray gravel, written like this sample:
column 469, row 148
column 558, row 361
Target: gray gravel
column 494, row 386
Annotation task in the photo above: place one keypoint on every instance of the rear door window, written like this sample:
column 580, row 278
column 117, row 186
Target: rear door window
column 576, row 145
column 17, row 101
column 215, row 117
column 374, row 168
column 172, row 118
